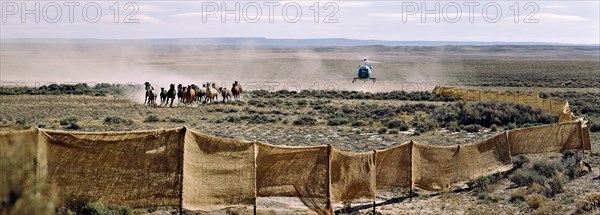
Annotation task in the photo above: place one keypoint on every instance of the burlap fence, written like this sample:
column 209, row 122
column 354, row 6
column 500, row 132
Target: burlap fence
column 184, row 168
column 352, row 176
column 218, row 173
column 394, row 166
column 439, row 167
column 22, row 161
column 139, row 169
column 547, row 138
column 301, row 172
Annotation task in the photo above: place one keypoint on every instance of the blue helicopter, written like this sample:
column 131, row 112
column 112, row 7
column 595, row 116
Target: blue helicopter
column 364, row 71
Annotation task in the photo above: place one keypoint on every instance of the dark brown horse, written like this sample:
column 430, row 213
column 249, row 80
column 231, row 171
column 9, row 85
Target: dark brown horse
column 180, row 92
column 236, row 90
column 171, row 94
column 163, row 95
column 189, row 95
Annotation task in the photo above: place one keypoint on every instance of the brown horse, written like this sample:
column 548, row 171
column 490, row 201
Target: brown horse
column 189, row 95
column 225, row 93
column 236, row 90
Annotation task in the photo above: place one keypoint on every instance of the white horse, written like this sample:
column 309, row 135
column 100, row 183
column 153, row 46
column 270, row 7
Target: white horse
column 211, row 92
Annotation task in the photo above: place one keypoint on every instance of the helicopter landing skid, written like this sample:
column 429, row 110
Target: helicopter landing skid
column 364, row 79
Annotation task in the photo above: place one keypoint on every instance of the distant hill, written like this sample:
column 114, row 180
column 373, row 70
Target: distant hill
column 261, row 41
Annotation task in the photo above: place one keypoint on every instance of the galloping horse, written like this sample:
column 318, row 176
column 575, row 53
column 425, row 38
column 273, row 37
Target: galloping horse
column 151, row 95
column 189, row 95
column 171, row 94
column 236, row 90
column 163, row 95
column 211, row 92
column 200, row 93
column 180, row 92
column 225, row 93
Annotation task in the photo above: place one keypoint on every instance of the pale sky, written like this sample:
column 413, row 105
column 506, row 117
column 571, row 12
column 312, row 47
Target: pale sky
column 508, row 21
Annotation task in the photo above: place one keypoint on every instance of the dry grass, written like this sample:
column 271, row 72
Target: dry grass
column 591, row 203
column 547, row 208
column 536, row 200
column 518, row 195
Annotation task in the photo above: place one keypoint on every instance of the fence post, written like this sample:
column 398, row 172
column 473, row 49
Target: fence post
column 374, row 208
column 185, row 130
column 582, row 138
column 412, row 173
column 255, row 187
column 375, row 164
column 329, row 206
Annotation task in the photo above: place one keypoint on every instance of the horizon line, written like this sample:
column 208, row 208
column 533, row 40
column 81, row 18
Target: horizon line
column 316, row 38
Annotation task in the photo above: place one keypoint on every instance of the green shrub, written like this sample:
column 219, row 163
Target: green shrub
column 60, row 89
column 258, row 119
column 151, row 118
column 453, row 126
column 302, row 103
column 176, row 120
column 359, row 123
column 484, row 183
column 233, row 119
column 115, row 120
column 397, row 124
column 337, row 121
column 525, row 177
column 73, row 126
column 519, row 160
column 257, row 103
column 97, row 208
column 494, row 128
column 556, row 187
column 483, row 195
column 471, row 128
column 423, row 124
column 68, row 120
column 546, row 168
column 595, row 127
column 382, row 130
column 510, row 126
column 393, row 131
column 487, row 113
column 305, row 120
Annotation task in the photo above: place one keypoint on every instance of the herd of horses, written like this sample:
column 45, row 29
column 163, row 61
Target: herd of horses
column 191, row 94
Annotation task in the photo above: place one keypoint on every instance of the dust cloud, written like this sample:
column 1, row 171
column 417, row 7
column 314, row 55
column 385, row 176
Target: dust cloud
column 256, row 67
